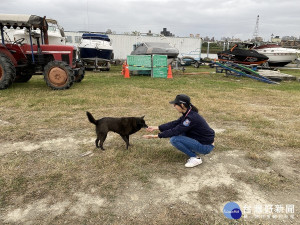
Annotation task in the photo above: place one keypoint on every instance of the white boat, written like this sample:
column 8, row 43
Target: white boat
column 278, row 56
column 96, row 51
column 56, row 35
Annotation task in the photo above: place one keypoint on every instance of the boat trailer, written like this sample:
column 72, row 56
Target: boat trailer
column 239, row 70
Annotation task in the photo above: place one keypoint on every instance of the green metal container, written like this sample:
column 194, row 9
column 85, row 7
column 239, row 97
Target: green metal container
column 156, row 65
column 159, row 66
column 139, row 62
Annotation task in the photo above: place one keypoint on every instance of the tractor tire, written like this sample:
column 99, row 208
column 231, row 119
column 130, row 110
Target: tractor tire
column 58, row 75
column 7, row 72
column 80, row 75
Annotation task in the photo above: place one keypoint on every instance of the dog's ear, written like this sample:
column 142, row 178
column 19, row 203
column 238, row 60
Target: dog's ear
column 142, row 117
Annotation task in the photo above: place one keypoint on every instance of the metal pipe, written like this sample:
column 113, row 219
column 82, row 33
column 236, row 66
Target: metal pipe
column 31, row 45
column 2, row 35
column 200, row 49
column 207, row 49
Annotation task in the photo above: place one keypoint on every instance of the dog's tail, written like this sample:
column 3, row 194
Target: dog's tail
column 91, row 118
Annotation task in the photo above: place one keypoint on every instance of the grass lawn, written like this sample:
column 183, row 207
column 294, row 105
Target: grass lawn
column 46, row 179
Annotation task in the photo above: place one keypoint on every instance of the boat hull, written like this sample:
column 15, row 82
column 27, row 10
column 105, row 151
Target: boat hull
column 241, row 56
column 278, row 56
column 243, row 62
column 93, row 54
column 280, row 59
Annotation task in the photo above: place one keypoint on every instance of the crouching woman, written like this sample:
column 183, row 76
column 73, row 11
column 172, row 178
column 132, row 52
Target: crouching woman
column 190, row 133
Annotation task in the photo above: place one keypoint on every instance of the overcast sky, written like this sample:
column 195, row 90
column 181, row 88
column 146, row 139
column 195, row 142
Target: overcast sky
column 213, row 18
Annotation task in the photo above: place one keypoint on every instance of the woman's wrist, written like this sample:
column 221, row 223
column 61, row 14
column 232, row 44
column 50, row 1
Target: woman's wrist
column 150, row 136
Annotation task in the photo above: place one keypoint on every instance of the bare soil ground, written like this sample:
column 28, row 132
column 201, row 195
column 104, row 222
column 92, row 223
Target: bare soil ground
column 199, row 192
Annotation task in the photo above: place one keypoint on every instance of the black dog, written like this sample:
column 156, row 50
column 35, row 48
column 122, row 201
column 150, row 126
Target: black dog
column 124, row 126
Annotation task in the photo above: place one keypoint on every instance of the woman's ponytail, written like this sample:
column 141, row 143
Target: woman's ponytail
column 194, row 108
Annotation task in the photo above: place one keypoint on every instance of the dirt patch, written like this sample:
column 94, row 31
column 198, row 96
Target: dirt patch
column 3, row 123
column 78, row 206
column 215, row 179
column 216, row 171
column 35, row 211
column 60, row 144
column 69, row 144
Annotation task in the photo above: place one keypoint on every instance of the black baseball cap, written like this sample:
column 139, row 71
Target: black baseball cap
column 181, row 99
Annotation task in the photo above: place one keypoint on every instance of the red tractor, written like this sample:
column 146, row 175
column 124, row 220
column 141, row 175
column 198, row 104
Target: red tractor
column 19, row 61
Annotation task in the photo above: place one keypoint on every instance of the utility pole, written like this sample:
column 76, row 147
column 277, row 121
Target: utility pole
column 207, row 49
column 201, row 41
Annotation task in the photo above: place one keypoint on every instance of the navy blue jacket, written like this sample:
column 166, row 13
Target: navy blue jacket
column 191, row 125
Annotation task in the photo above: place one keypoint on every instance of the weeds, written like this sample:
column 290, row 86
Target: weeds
column 256, row 119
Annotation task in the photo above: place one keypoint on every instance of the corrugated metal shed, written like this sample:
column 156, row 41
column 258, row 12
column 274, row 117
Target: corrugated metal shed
column 123, row 44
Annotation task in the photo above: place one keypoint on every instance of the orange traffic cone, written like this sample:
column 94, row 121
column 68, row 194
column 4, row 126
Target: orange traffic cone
column 123, row 68
column 126, row 75
column 169, row 72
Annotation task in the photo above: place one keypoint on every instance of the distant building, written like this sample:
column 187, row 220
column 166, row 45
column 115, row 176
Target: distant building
column 166, row 33
column 257, row 39
column 149, row 33
column 288, row 38
column 275, row 39
column 286, row 41
column 290, row 43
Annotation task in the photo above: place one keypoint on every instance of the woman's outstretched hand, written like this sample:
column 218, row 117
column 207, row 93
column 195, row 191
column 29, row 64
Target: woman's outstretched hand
column 152, row 128
column 149, row 136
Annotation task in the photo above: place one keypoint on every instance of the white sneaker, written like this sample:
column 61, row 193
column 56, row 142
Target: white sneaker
column 193, row 161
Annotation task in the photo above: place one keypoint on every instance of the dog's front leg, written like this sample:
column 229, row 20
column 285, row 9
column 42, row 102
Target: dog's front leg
column 126, row 139
column 102, row 139
column 97, row 143
column 101, row 145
